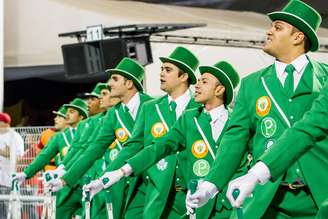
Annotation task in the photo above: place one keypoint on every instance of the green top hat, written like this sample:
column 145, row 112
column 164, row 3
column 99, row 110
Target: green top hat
column 61, row 112
column 96, row 91
column 79, row 105
column 185, row 60
column 303, row 17
column 130, row 69
column 226, row 74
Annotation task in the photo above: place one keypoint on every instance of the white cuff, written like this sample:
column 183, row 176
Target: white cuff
column 127, row 170
column 61, row 166
column 261, row 171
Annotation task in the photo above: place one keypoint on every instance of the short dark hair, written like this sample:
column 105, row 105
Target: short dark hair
column 181, row 73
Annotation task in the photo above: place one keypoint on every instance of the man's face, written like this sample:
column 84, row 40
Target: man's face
column 118, row 85
column 206, row 87
column 73, row 116
column 60, row 122
column 106, row 100
column 280, row 38
column 169, row 77
column 93, row 105
column 4, row 125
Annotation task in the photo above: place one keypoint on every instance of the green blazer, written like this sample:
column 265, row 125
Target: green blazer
column 261, row 114
column 194, row 158
column 308, row 139
column 58, row 144
column 150, row 126
column 110, row 130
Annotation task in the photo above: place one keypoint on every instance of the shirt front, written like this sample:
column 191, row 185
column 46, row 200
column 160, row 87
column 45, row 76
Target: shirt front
column 219, row 116
column 133, row 105
column 299, row 64
column 182, row 102
column 15, row 143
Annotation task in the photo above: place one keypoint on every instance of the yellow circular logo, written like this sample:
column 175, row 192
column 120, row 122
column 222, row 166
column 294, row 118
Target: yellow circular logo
column 263, row 106
column 158, row 130
column 112, row 145
column 64, row 151
column 121, row 134
column 199, row 149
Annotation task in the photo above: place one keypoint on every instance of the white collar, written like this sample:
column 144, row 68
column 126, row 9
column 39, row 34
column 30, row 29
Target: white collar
column 133, row 103
column 299, row 63
column 181, row 100
column 219, row 112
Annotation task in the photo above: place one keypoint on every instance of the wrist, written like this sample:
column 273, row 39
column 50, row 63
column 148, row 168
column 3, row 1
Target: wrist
column 126, row 170
column 261, row 172
column 63, row 182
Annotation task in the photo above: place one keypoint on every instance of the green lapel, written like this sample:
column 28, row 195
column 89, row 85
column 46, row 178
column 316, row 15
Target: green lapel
column 306, row 83
column 218, row 141
column 205, row 127
column 143, row 98
column 126, row 118
column 164, row 109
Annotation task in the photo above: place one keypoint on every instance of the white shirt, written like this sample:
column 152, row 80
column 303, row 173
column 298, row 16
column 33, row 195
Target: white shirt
column 299, row 64
column 219, row 116
column 182, row 102
column 133, row 105
column 15, row 142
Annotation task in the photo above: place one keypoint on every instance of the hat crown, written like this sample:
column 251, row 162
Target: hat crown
column 96, row 91
column 62, row 110
column 185, row 56
column 305, row 12
column 79, row 103
column 229, row 71
column 132, row 67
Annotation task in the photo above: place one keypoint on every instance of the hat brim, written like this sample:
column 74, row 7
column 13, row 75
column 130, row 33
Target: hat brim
column 59, row 114
column 223, row 78
column 182, row 66
column 299, row 23
column 126, row 75
column 91, row 95
column 80, row 109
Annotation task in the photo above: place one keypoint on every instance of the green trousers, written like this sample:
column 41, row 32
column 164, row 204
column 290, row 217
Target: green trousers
column 135, row 208
column 289, row 203
column 70, row 205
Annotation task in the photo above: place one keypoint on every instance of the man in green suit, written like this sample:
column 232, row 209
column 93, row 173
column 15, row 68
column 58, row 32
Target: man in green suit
column 270, row 101
column 156, row 118
column 194, row 137
column 125, row 83
column 304, row 136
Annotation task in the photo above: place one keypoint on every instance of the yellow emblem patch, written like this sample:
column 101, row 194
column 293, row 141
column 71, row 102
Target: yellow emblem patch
column 64, row 151
column 263, row 106
column 121, row 134
column 199, row 149
column 158, row 130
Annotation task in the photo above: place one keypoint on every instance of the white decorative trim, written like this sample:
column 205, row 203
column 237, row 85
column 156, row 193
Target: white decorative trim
column 182, row 63
column 112, row 71
column 161, row 117
column 204, row 138
column 275, row 103
column 121, row 122
column 118, row 144
column 66, row 141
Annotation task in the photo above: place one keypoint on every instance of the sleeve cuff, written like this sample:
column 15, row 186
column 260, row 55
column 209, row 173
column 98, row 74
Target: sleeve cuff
column 127, row 170
column 261, row 171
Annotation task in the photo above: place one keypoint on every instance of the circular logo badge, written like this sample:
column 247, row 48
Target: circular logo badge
column 112, row 145
column 199, row 149
column 201, row 168
column 162, row 164
column 158, row 130
column 113, row 154
column 268, row 127
column 263, row 106
column 121, row 134
column 64, row 151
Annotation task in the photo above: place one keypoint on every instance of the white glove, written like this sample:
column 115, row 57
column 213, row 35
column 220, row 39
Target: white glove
column 20, row 177
column 245, row 184
column 54, row 185
column 205, row 191
column 110, row 178
column 259, row 173
column 59, row 171
column 93, row 188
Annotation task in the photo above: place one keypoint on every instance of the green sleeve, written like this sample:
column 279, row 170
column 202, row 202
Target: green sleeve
column 44, row 157
column 233, row 145
column 172, row 142
column 302, row 136
column 95, row 151
column 133, row 145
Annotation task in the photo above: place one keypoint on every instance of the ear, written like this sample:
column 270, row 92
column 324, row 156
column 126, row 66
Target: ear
column 184, row 77
column 219, row 91
column 129, row 84
column 298, row 38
